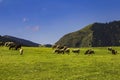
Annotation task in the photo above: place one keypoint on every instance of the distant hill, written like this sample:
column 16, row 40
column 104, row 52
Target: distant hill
column 23, row 42
column 95, row 35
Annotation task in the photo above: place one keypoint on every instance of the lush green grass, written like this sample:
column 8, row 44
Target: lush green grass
column 43, row 64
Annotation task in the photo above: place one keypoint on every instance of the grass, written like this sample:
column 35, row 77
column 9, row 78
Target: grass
column 42, row 64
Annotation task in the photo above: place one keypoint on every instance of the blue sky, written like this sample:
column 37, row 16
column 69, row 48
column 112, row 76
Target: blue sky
column 46, row 21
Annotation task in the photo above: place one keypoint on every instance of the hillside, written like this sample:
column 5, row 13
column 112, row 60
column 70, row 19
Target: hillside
column 23, row 42
column 95, row 35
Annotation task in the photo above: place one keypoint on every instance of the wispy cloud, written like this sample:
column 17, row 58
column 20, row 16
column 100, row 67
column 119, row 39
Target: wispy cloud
column 33, row 28
column 25, row 19
column 36, row 28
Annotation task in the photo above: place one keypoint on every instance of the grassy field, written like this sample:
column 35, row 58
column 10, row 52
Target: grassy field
column 42, row 64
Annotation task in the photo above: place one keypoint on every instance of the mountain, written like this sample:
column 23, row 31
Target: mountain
column 93, row 35
column 23, row 42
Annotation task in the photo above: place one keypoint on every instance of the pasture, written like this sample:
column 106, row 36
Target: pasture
column 39, row 63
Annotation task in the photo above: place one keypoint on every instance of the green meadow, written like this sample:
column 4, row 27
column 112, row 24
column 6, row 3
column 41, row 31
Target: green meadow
column 39, row 63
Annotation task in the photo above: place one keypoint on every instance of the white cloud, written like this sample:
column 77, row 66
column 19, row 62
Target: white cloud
column 25, row 19
column 33, row 28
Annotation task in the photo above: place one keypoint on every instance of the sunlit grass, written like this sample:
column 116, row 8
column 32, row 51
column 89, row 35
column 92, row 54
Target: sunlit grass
column 42, row 64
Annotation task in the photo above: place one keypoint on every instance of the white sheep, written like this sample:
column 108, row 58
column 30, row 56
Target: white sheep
column 21, row 51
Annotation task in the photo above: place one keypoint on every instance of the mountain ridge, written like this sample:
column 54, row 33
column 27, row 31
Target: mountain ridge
column 23, row 42
column 93, row 35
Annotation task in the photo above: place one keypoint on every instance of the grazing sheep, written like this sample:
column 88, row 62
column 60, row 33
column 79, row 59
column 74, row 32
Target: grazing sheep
column 21, row 51
column 76, row 51
column 67, row 50
column 89, row 51
column 56, row 51
column 60, row 47
column 63, row 50
column 8, row 44
column 17, row 47
column 14, row 46
column 114, row 51
column 59, row 51
column 110, row 49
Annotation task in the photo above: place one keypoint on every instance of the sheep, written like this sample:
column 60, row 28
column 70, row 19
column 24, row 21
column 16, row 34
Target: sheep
column 67, row 50
column 112, row 50
column 7, row 44
column 21, row 51
column 63, row 50
column 76, row 51
column 14, row 46
column 59, row 51
column 89, row 51
column 17, row 47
